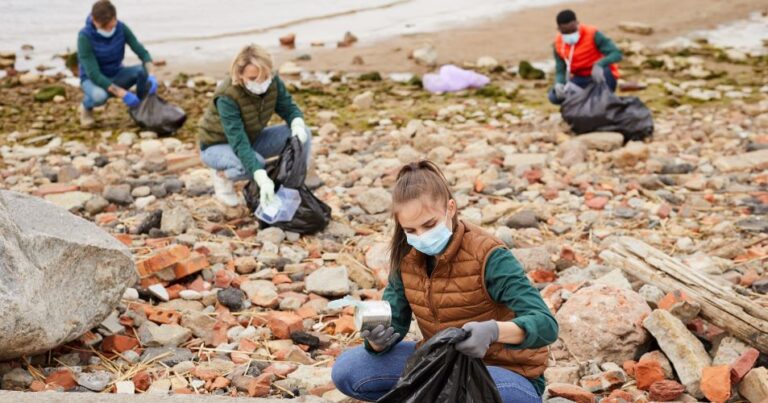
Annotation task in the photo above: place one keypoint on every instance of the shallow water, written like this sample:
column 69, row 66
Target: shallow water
column 744, row 35
column 198, row 30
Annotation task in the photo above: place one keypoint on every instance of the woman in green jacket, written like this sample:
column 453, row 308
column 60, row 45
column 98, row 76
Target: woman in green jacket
column 233, row 134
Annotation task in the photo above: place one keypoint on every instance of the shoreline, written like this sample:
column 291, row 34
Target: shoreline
column 526, row 35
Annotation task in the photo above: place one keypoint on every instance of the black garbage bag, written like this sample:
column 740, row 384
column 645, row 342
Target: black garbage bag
column 290, row 170
column 436, row 372
column 154, row 114
column 598, row 109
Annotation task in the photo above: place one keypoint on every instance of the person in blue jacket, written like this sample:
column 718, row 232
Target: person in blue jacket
column 100, row 53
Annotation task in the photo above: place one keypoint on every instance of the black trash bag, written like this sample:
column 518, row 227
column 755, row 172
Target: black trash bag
column 154, row 114
column 436, row 372
column 597, row 109
column 290, row 170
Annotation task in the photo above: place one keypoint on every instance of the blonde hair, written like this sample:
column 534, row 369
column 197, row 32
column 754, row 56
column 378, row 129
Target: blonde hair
column 251, row 54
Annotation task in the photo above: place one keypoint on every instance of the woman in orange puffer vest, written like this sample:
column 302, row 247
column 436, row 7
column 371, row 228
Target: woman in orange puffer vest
column 450, row 273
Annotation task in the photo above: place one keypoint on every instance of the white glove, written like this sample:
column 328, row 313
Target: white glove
column 598, row 74
column 266, row 186
column 299, row 129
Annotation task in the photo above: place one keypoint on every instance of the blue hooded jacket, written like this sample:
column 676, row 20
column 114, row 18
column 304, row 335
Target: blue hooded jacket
column 109, row 52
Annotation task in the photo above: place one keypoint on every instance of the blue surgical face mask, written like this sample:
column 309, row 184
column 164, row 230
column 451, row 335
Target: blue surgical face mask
column 571, row 39
column 107, row 34
column 432, row 242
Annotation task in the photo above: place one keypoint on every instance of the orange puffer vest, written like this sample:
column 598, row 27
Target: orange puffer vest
column 455, row 294
column 585, row 52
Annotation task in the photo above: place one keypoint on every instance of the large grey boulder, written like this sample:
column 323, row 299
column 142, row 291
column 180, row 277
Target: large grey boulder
column 60, row 275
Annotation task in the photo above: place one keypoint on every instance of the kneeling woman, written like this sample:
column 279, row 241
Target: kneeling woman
column 233, row 134
column 450, row 273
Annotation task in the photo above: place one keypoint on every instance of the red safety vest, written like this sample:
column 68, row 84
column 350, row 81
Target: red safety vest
column 581, row 57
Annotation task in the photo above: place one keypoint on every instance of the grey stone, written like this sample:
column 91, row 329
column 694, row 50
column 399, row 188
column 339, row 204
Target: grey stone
column 170, row 355
column 17, row 379
column 753, row 224
column 572, row 152
column 232, row 298
column 608, row 318
column 176, row 220
column 375, row 200
column 69, row 200
column 615, row 279
column 534, row 258
column 603, row 141
column 173, row 185
column 652, row 294
column 44, row 247
column 96, row 205
column 272, row 235
column 199, row 323
column 310, row 377
column 683, row 349
column 95, row 381
column 260, row 292
column 523, row 219
column 152, row 335
column 118, row 194
column 728, row 350
column 329, row 281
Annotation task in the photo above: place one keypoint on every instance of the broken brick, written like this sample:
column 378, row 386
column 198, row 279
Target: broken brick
column 118, row 343
column 742, row 365
column 166, row 317
column 716, row 383
column 283, row 324
column 62, row 378
column 162, row 259
column 647, row 372
column 191, row 265
column 54, row 188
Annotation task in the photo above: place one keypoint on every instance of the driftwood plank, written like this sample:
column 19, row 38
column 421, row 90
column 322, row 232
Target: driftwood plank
column 720, row 304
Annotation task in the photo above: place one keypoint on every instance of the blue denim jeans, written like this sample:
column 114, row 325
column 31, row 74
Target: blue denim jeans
column 269, row 143
column 368, row 377
column 126, row 78
column 583, row 82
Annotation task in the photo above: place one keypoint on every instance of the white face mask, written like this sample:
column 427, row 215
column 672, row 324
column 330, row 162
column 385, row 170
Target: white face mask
column 107, row 34
column 571, row 38
column 258, row 88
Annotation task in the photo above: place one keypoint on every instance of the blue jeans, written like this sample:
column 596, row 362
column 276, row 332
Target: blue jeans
column 126, row 78
column 269, row 143
column 368, row 377
column 583, row 82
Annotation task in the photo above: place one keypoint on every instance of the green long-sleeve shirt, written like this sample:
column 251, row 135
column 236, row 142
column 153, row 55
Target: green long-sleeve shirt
column 88, row 60
column 234, row 129
column 507, row 284
column 611, row 55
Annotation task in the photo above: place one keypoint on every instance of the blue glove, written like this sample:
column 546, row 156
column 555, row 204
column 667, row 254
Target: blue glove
column 131, row 99
column 152, row 84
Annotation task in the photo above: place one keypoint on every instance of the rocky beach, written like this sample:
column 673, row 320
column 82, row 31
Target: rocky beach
column 653, row 255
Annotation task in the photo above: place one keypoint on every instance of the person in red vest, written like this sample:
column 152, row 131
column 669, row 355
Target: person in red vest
column 582, row 55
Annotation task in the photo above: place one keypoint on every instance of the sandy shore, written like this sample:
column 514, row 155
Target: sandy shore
column 526, row 34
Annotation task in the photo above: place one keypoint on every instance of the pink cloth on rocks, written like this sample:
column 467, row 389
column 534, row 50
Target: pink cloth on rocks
column 451, row 78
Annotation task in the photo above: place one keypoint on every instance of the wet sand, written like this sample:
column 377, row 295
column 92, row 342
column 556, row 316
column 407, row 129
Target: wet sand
column 522, row 35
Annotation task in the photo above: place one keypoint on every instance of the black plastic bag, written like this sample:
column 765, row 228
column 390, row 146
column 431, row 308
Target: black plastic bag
column 598, row 109
column 436, row 372
column 154, row 114
column 290, row 170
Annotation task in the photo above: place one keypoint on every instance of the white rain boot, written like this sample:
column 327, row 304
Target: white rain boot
column 224, row 189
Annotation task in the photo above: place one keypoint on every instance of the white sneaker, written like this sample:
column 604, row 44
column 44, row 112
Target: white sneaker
column 86, row 117
column 224, row 189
